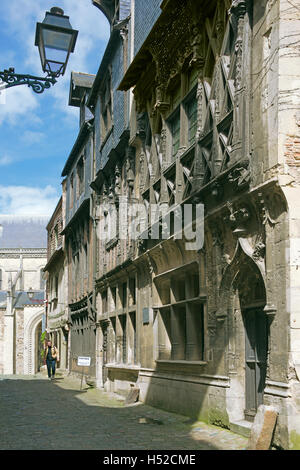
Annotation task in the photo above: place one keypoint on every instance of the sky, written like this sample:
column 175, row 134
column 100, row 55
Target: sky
column 37, row 131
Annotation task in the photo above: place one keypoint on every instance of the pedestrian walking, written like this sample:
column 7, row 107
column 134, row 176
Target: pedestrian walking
column 51, row 356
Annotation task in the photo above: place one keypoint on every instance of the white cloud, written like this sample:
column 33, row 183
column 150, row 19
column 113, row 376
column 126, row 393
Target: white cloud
column 22, row 200
column 6, row 160
column 31, row 137
column 19, row 101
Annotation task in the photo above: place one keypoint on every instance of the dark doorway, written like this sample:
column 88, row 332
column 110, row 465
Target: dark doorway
column 256, row 349
column 252, row 295
column 39, row 348
column 104, row 327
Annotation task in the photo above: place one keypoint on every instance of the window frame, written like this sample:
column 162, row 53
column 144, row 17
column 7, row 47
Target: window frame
column 80, row 173
column 106, row 107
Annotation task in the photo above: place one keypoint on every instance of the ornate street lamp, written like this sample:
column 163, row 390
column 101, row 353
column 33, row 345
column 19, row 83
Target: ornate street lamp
column 56, row 40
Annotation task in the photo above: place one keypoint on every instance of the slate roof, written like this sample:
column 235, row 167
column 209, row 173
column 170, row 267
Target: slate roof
column 22, row 299
column 23, row 232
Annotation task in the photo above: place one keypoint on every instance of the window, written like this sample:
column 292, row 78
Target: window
column 175, row 131
column 132, row 293
column 71, row 191
column 106, row 108
column 181, row 324
column 104, row 301
column 85, row 251
column 114, row 298
column 192, row 78
column 176, row 96
column 56, row 287
column 114, row 343
column 133, row 349
column 42, row 281
column 56, row 237
column 80, row 176
column 124, row 295
column 191, row 111
column 123, row 325
column 119, row 302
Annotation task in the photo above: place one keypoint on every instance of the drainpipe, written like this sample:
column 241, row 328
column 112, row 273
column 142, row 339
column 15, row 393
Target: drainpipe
column 94, row 309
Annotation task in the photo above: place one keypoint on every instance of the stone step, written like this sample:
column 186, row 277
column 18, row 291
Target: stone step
column 242, row 427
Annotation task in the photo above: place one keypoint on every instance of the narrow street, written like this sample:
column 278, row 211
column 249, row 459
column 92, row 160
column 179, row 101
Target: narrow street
column 39, row 414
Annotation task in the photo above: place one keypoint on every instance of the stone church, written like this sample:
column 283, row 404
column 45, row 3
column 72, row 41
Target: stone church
column 23, row 255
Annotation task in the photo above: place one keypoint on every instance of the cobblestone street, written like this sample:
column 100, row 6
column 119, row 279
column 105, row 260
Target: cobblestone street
column 39, row 414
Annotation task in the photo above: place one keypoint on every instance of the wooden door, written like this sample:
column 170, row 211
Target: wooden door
column 256, row 347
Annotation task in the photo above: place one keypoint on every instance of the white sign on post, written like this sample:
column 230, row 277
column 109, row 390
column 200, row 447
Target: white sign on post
column 84, row 361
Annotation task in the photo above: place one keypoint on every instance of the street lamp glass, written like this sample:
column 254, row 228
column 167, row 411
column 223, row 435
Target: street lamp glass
column 30, row 293
column 55, row 39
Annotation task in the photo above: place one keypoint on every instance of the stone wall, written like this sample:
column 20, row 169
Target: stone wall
column 19, row 342
column 32, row 265
column 2, row 312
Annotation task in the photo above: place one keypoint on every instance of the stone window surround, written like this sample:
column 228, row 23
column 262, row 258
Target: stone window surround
column 106, row 108
column 114, row 313
column 188, row 93
column 80, row 170
column 189, row 350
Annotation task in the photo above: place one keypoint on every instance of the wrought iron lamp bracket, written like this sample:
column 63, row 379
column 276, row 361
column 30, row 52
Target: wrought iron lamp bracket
column 38, row 84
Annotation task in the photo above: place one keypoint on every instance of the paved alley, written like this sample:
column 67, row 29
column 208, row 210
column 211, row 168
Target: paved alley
column 40, row 414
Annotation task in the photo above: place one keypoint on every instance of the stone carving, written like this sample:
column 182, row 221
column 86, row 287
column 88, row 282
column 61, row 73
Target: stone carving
column 130, row 167
column 161, row 102
column 240, row 176
column 200, row 114
column 217, row 237
column 220, row 24
column 264, row 211
column 141, row 245
column 239, row 8
column 238, row 219
column 217, row 190
column 141, row 125
column 140, row 100
column 259, row 251
column 197, row 44
column 117, row 179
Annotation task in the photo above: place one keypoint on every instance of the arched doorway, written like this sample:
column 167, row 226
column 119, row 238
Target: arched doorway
column 38, row 348
column 30, row 341
column 252, row 296
column 242, row 299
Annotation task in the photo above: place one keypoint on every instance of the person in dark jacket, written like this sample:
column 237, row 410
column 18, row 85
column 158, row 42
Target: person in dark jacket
column 52, row 357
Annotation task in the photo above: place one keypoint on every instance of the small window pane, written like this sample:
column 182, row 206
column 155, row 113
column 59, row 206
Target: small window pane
column 193, row 77
column 176, row 97
column 192, row 119
column 175, row 129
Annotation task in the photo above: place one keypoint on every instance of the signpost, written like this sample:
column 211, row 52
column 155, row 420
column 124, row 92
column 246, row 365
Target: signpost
column 83, row 361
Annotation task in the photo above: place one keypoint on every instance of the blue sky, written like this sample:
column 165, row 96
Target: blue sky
column 37, row 132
